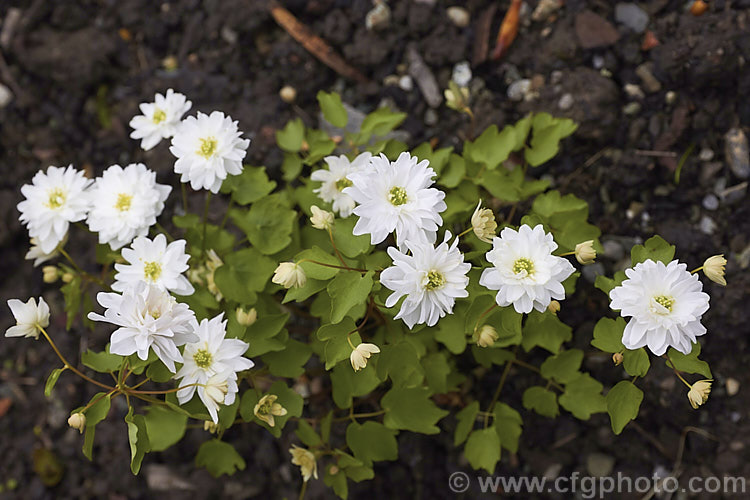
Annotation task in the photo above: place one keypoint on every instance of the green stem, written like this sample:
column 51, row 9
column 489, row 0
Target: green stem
column 184, row 197
column 465, row 232
column 303, row 490
column 332, row 265
column 495, row 397
column 226, row 215
column 677, row 372
column 68, row 365
column 360, row 415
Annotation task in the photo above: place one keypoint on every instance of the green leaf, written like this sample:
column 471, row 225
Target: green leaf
column 492, row 147
column 268, row 224
column 655, row 248
column 158, row 372
column 450, row 332
column 689, row 363
column 325, row 426
column 541, row 400
column 563, row 367
column 381, row 121
column 307, row 434
column 165, row 427
column 72, row 294
column 508, row 424
column 636, row 362
column 52, row 380
column 608, row 335
column 332, row 108
column 347, row 384
column 102, row 362
column 335, row 479
column 290, row 361
column 466, row 419
column 337, row 347
column 411, row 409
column 623, row 403
column 249, row 186
column 317, row 271
column 372, row 442
column 453, row 173
column 606, row 284
column 436, row 371
column 400, row 362
column 546, row 136
column 219, row 458
column 291, row 136
column 99, row 410
column 139, row 441
column 348, row 289
column 482, row 449
column 292, row 166
column 545, row 330
column 583, row 396
column 320, row 146
column 522, row 127
column 345, row 239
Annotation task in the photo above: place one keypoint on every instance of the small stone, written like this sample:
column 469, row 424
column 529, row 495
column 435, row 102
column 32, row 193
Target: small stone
column 737, row 152
column 391, row 80
column 634, row 91
column 733, row 386
column 707, row 225
column 5, row 96
column 613, row 250
column 599, row 464
column 566, row 102
column 552, row 472
column 288, row 94
column 228, row 35
column 631, row 16
column 710, row 202
column 458, row 16
column 379, row 17
column 591, row 272
column 597, row 61
column 733, row 194
column 556, row 77
column 594, row 31
column 424, row 77
column 406, row 83
column 462, row 74
column 430, row 117
column 519, row 89
column 706, row 154
column 632, row 108
column 545, row 9
column 670, row 97
column 647, row 77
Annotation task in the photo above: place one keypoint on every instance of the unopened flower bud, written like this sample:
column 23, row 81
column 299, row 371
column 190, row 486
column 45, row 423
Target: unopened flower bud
column 209, row 426
column 585, row 253
column 713, row 268
column 554, row 307
column 698, row 393
column 246, row 318
column 361, row 354
column 483, row 223
column 67, row 277
column 289, row 275
column 487, row 336
column 617, row 358
column 267, row 408
column 288, row 94
column 321, row 219
column 77, row 421
column 50, row 274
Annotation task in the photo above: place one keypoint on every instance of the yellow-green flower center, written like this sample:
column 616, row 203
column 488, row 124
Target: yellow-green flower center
column 523, row 265
column 123, row 202
column 208, row 147
column 203, row 358
column 665, row 301
column 266, row 406
column 435, row 280
column 397, row 196
column 343, row 183
column 152, row 270
column 159, row 116
column 56, row 198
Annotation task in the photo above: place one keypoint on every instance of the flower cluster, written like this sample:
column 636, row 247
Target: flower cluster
column 122, row 206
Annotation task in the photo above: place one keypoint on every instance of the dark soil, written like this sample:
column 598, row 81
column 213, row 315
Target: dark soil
column 78, row 69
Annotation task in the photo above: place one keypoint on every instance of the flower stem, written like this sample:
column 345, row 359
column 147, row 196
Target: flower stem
column 485, row 313
column 168, row 391
column 335, row 249
column 302, row 490
column 360, row 415
column 465, row 232
column 68, row 365
column 696, row 270
column 500, row 385
column 332, row 265
column 677, row 372
column 184, row 197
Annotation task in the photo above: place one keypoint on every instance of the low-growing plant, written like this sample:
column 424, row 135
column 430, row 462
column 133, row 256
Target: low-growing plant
column 360, row 263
